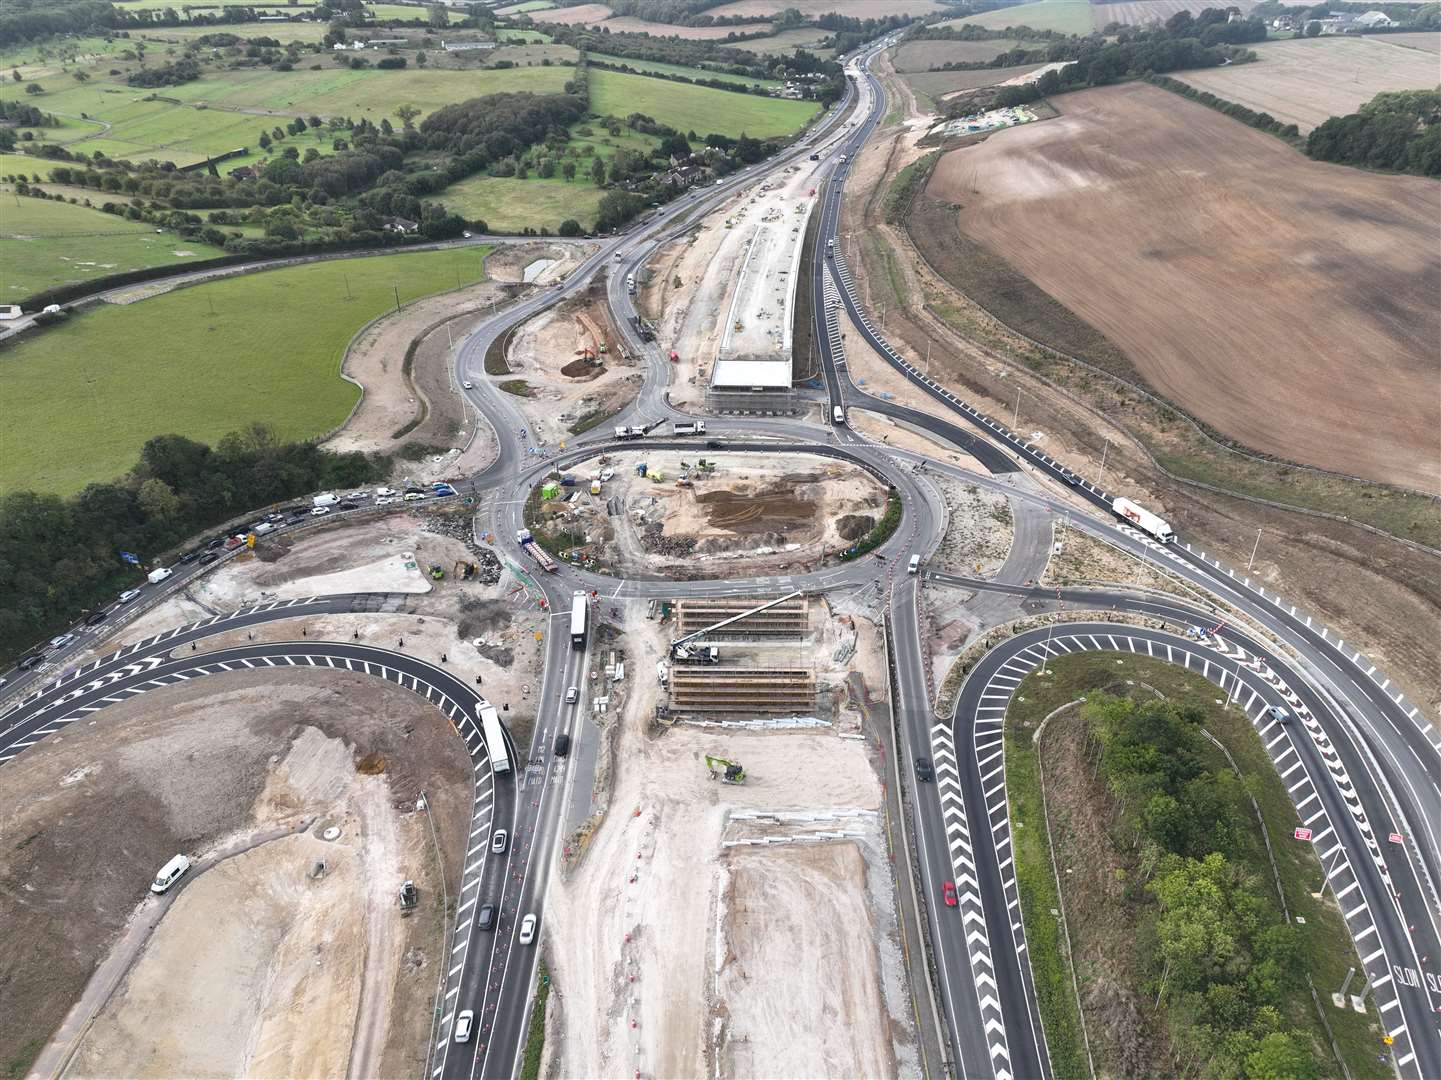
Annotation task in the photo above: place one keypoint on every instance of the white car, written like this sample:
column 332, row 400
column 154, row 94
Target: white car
column 384, row 500
column 527, row 930
column 499, row 841
column 468, row 385
column 61, row 641
column 129, row 595
column 572, row 696
column 463, row 1025
column 414, row 496
column 320, row 511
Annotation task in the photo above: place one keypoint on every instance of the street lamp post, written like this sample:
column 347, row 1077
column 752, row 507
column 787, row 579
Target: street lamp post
column 1254, row 548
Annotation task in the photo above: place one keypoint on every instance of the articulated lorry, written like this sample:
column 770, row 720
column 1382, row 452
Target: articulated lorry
column 1134, row 514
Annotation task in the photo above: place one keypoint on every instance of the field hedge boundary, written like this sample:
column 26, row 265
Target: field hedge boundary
column 1250, row 117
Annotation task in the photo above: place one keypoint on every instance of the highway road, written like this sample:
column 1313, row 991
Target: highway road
column 1363, row 762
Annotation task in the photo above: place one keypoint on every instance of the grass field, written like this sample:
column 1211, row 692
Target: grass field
column 686, row 72
column 696, row 108
column 1144, row 12
column 923, row 55
column 44, row 244
column 1305, row 80
column 785, row 41
column 526, row 6
column 87, row 395
column 206, row 121
column 285, row 32
column 1096, row 918
column 1062, row 16
column 510, row 205
column 1196, row 245
column 25, row 165
column 860, row 9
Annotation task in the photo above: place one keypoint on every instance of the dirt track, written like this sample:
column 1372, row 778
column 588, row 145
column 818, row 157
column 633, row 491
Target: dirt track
column 1289, row 304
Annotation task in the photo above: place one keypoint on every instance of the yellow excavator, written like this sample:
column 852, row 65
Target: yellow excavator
column 727, row 772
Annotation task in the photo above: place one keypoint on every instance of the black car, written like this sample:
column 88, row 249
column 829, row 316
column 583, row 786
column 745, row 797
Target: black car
column 562, row 745
column 190, row 556
column 348, row 506
column 714, row 444
column 1069, row 477
column 209, row 557
column 96, row 619
column 215, row 543
column 925, row 771
column 486, row 919
column 33, row 660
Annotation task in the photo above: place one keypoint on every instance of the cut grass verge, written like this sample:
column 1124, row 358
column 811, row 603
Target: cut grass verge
column 518, row 387
column 535, row 1037
column 1325, row 948
column 200, row 362
column 592, row 420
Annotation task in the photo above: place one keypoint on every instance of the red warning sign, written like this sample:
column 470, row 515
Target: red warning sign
column 1303, row 834
column 1397, row 838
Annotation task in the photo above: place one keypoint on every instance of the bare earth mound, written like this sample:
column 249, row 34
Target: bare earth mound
column 1287, row 303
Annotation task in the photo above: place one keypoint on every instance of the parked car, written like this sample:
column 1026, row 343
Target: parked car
column 209, row 557
column 499, row 841
column 319, row 511
column 464, row 1024
column 527, row 929
column 948, row 893
column 925, row 771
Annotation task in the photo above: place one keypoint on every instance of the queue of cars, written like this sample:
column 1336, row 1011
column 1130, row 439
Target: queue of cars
column 211, row 551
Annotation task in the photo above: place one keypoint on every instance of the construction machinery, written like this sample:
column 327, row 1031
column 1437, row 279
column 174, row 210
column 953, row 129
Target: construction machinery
column 465, row 570
column 409, row 897
column 727, row 772
column 437, row 572
column 696, row 654
column 679, row 645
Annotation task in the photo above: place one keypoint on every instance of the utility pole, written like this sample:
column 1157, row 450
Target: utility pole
column 1016, row 416
column 397, row 295
column 928, row 358
column 347, row 286
column 1046, row 656
column 1254, row 548
column 1104, row 451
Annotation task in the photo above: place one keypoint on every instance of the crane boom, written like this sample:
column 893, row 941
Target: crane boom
column 678, row 642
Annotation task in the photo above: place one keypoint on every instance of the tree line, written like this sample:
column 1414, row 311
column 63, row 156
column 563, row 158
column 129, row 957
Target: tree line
column 1225, row 966
column 61, row 557
column 1398, row 131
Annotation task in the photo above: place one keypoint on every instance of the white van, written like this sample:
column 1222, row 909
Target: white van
column 838, row 414
column 915, row 565
column 169, row 874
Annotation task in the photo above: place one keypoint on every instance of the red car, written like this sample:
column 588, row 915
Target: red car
column 948, row 893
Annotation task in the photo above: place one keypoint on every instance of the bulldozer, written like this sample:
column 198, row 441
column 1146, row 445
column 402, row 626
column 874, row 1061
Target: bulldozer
column 437, row 572
column 409, row 897
column 727, row 772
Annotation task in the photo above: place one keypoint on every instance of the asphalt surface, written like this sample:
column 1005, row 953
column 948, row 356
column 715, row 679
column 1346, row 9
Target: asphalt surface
column 1370, row 761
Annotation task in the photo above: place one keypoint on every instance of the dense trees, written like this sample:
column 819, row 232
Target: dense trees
column 59, row 557
column 1226, row 964
column 1400, row 131
column 183, row 70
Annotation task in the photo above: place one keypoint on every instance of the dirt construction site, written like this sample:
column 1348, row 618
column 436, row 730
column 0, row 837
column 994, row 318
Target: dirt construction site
column 295, row 794
column 567, row 370
column 736, row 515
column 705, row 928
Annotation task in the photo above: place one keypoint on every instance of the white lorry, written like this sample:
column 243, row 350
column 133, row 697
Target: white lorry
column 1153, row 526
column 325, row 498
column 630, row 433
column 159, row 574
column 689, row 428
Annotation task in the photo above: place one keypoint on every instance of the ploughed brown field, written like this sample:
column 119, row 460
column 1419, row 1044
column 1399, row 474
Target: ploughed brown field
column 1287, row 303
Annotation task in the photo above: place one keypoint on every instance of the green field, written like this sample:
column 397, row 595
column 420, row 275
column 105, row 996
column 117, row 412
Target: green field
column 526, row 5
column 685, row 72
column 696, row 108
column 149, row 124
column 44, row 244
column 305, row 32
column 787, row 41
column 510, row 205
column 85, row 397
column 524, row 37
column 24, row 165
column 1062, row 16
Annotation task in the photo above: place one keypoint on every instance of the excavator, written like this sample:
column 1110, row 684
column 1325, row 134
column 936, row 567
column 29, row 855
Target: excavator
column 727, row 772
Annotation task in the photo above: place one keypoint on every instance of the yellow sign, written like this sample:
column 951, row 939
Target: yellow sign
column 250, row 540
column 1387, row 1039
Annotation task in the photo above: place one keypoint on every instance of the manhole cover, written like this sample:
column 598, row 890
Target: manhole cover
column 332, row 833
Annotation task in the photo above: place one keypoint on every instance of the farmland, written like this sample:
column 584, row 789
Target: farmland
column 225, row 110
column 696, row 108
column 937, row 84
column 1252, row 287
column 1143, row 12
column 1306, row 80
column 857, row 9
column 1063, row 16
column 44, row 244
column 784, row 41
column 270, row 351
column 510, row 205
column 924, row 55
column 655, row 67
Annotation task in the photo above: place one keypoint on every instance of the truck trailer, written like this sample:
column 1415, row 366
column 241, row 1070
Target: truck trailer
column 578, row 613
column 1153, row 526
column 696, row 427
